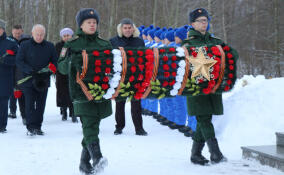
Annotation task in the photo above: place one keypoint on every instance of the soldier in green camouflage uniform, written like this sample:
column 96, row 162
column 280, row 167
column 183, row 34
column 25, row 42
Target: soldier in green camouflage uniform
column 90, row 112
column 204, row 106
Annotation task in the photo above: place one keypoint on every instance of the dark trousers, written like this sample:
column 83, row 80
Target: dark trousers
column 13, row 104
column 3, row 111
column 34, row 107
column 90, row 126
column 135, row 113
column 204, row 128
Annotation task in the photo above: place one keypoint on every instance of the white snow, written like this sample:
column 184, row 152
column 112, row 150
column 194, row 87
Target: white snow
column 252, row 115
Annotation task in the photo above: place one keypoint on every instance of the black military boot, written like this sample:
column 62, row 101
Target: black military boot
column 99, row 163
column 216, row 155
column 63, row 111
column 196, row 156
column 85, row 165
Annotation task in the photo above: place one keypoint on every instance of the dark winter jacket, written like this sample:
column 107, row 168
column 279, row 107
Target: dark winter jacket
column 62, row 95
column 69, row 64
column 7, row 64
column 33, row 56
column 204, row 104
column 122, row 41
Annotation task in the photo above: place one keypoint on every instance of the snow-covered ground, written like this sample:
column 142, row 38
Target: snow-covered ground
column 253, row 114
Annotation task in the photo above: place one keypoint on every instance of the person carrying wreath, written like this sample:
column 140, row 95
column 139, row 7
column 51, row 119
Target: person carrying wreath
column 90, row 112
column 204, row 106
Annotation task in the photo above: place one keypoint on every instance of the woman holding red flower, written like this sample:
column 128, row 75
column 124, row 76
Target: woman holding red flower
column 8, row 51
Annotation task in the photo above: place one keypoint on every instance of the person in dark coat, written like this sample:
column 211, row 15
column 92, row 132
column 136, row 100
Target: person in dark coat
column 128, row 36
column 17, row 32
column 34, row 55
column 63, row 99
column 8, row 50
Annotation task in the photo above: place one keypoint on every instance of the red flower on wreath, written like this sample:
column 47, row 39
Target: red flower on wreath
column 172, row 82
column 215, row 74
column 166, row 67
column 216, row 51
column 231, row 67
column 96, row 53
column 131, row 60
column 211, row 84
column 210, row 55
column 137, row 86
column 200, row 81
column 162, row 51
column 141, row 67
column 107, row 70
column 206, row 48
column 174, row 65
column 167, row 74
column 96, row 78
column 131, row 78
column 140, row 60
column 165, row 58
column 149, row 65
column 218, row 60
column 226, row 48
column 133, row 69
column 230, row 75
column 231, row 61
column 104, row 86
column 130, row 52
column 107, row 52
column 226, row 88
column 229, row 82
column 140, row 53
column 194, row 53
column 172, row 49
column 150, row 58
column 105, row 79
column 10, row 52
column 174, row 74
column 97, row 70
column 52, row 67
column 145, row 84
column 138, row 95
column 165, row 83
column 229, row 55
column 174, row 58
column 108, row 61
column 98, row 63
column 149, row 52
column 191, row 48
column 206, row 90
column 140, row 77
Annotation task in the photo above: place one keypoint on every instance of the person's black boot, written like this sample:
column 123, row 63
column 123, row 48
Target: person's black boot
column 196, row 156
column 141, row 132
column 63, row 111
column 85, row 165
column 99, row 163
column 216, row 155
column 12, row 115
column 117, row 131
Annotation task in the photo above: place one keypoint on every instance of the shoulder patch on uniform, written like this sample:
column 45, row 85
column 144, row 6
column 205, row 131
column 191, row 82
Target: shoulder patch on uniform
column 74, row 38
column 63, row 52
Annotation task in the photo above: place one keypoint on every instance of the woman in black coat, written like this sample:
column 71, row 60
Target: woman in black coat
column 62, row 96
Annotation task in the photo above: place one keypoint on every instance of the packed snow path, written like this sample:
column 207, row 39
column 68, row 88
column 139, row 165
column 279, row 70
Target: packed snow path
column 163, row 151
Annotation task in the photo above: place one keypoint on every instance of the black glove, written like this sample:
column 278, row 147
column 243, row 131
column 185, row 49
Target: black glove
column 41, row 81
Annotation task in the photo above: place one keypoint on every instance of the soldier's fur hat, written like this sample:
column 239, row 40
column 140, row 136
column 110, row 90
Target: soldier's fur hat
column 193, row 15
column 86, row 13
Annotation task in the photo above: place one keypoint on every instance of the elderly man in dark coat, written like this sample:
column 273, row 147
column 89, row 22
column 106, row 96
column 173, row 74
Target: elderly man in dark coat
column 35, row 54
column 128, row 36
column 8, row 49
